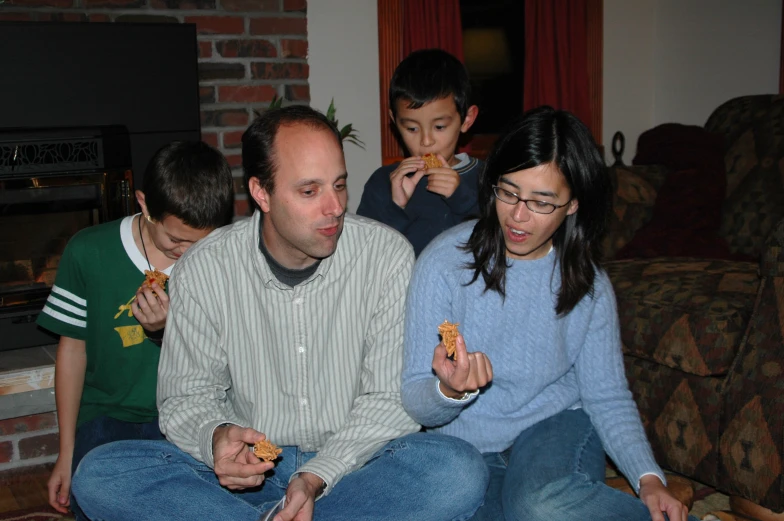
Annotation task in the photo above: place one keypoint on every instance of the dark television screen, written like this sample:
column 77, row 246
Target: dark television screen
column 142, row 76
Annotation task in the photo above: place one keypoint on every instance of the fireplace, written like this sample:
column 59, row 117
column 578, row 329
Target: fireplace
column 53, row 183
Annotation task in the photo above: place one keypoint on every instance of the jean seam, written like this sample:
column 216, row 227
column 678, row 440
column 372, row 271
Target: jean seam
column 581, row 450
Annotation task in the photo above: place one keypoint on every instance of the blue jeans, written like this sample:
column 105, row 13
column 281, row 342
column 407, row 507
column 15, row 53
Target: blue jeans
column 422, row 476
column 555, row 471
column 103, row 430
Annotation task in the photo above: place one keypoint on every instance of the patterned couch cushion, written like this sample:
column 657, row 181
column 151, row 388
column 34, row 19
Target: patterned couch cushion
column 634, row 196
column 754, row 161
column 684, row 313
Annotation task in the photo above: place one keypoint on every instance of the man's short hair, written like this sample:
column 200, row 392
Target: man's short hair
column 429, row 75
column 258, row 153
column 192, row 181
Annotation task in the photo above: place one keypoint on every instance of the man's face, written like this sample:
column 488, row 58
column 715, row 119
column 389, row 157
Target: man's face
column 433, row 128
column 303, row 216
column 529, row 235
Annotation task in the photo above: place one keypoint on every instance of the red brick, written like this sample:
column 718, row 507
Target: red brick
column 182, row 4
column 141, row 18
column 241, row 208
column 15, row 17
column 233, row 139
column 62, row 17
column 37, row 446
column 235, row 160
column 250, row 5
column 206, row 95
column 221, row 71
column 279, row 71
column 211, row 138
column 239, row 185
column 294, row 48
column 245, row 48
column 217, row 24
column 298, row 92
column 34, row 422
column 7, row 448
column 295, row 5
column 205, row 49
column 113, row 3
column 40, row 3
column 224, row 118
column 98, row 17
column 278, row 25
column 246, row 93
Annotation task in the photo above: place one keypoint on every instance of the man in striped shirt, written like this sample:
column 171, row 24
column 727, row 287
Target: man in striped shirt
column 287, row 326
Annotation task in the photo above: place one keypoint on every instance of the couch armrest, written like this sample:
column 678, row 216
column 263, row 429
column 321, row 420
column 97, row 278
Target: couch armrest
column 751, row 448
column 772, row 262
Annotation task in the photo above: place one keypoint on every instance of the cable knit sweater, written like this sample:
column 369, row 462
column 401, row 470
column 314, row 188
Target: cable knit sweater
column 542, row 364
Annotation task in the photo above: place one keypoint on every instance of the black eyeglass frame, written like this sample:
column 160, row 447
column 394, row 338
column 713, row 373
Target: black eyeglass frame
column 553, row 207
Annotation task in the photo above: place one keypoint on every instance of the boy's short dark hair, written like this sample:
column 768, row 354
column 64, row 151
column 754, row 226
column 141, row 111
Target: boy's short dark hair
column 192, row 181
column 258, row 153
column 428, row 75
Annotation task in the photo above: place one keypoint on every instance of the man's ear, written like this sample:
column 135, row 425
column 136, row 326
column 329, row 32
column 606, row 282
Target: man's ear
column 392, row 116
column 471, row 114
column 573, row 205
column 259, row 194
column 142, row 202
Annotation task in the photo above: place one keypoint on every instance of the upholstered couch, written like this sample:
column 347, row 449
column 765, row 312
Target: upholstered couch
column 703, row 335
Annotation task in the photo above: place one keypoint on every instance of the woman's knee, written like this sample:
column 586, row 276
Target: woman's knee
column 564, row 499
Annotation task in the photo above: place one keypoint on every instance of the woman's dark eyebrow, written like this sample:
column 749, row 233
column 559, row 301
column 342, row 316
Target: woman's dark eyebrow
column 542, row 193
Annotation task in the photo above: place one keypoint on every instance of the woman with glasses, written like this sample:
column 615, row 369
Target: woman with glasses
column 537, row 383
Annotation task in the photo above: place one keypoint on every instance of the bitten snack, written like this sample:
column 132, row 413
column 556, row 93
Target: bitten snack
column 432, row 161
column 266, row 450
column 449, row 332
column 155, row 276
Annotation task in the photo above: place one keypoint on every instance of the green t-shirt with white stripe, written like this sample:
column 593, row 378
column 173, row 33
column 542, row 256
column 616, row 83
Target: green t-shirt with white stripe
column 97, row 278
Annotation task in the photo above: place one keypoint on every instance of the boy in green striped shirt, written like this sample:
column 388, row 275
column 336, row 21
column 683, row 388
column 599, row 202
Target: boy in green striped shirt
column 110, row 323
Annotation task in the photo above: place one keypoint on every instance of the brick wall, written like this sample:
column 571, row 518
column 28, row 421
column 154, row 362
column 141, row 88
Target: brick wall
column 29, row 440
column 249, row 50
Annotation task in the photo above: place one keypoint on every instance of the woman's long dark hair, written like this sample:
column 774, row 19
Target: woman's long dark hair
column 545, row 135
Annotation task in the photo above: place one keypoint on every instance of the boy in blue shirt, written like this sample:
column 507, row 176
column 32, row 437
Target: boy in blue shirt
column 429, row 105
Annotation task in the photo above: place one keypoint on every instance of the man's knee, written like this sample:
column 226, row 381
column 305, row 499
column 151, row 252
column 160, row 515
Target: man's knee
column 91, row 474
column 452, row 463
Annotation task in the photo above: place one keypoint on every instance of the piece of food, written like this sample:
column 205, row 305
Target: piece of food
column 155, row 276
column 449, row 332
column 432, row 161
column 266, row 450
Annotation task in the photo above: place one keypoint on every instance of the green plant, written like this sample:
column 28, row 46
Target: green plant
column 347, row 132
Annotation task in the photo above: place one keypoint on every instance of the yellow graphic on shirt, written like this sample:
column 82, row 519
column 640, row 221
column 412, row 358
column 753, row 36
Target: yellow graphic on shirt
column 125, row 307
column 131, row 335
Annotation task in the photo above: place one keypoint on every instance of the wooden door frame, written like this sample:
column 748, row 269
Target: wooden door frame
column 390, row 53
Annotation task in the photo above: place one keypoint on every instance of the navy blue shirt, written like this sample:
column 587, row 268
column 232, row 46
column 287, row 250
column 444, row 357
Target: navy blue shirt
column 427, row 214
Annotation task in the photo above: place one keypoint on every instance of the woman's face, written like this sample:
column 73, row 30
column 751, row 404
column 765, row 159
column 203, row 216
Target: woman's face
column 529, row 235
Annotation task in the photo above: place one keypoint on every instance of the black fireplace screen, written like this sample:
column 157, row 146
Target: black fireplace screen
column 53, row 183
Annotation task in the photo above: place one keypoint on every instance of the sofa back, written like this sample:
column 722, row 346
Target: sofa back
column 754, row 202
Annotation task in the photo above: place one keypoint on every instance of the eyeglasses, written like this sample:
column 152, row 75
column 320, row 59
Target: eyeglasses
column 505, row 196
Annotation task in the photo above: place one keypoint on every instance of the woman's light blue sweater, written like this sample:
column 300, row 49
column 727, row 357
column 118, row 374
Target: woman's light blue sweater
column 542, row 364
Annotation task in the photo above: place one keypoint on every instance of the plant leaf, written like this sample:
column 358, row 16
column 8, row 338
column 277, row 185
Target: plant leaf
column 331, row 112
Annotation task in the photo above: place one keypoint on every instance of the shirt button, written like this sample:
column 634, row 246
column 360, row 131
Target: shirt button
column 298, row 301
column 301, row 349
column 303, row 402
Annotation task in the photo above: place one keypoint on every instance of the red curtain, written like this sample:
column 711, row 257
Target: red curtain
column 556, row 60
column 432, row 24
